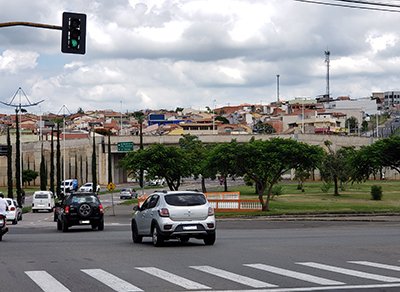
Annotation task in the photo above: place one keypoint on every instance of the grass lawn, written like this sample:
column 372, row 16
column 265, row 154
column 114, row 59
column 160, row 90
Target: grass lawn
column 353, row 199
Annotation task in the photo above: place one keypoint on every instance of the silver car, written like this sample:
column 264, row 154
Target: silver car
column 174, row 215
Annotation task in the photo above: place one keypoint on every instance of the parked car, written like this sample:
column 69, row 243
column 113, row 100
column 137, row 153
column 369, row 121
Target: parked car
column 69, row 185
column 166, row 215
column 42, row 200
column 88, row 187
column 14, row 212
column 80, row 209
column 127, row 193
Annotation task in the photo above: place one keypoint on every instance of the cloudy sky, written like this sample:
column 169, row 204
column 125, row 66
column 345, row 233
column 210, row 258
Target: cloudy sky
column 194, row 53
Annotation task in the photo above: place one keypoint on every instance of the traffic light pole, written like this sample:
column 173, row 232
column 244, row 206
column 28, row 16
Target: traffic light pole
column 32, row 24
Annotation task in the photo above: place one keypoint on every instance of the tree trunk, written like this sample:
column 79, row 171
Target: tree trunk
column 335, row 180
column 203, row 185
column 225, row 184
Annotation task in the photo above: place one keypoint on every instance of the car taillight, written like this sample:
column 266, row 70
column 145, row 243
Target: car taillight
column 66, row 210
column 12, row 208
column 101, row 209
column 163, row 212
column 210, row 211
column 2, row 222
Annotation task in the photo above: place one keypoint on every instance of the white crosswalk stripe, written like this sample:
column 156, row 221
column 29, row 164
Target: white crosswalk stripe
column 376, row 265
column 111, row 281
column 293, row 274
column 46, row 281
column 174, row 279
column 233, row 277
column 351, row 272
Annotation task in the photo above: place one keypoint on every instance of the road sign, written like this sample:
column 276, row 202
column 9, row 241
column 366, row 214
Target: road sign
column 125, row 146
column 111, row 186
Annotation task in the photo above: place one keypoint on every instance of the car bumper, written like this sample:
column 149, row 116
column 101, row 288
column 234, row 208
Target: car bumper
column 11, row 216
column 198, row 229
column 82, row 221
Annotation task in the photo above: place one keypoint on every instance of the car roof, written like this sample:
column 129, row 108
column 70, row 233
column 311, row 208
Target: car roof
column 177, row 192
column 42, row 192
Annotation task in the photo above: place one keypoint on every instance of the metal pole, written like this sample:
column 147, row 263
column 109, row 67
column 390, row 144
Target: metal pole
column 120, row 132
column 277, row 87
column 213, row 121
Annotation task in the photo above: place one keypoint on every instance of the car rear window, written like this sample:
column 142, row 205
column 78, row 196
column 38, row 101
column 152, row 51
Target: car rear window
column 83, row 199
column 41, row 196
column 185, row 199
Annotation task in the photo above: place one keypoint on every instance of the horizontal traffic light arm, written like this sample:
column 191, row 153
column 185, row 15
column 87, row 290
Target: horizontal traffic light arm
column 32, row 24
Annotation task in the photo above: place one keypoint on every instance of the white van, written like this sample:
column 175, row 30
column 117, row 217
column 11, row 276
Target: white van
column 43, row 200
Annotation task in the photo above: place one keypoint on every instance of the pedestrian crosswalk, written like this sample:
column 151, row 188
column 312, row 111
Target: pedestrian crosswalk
column 207, row 275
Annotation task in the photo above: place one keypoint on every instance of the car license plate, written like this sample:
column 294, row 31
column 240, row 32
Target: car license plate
column 189, row 227
column 84, row 221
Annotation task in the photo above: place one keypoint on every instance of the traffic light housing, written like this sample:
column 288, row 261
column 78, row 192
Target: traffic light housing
column 73, row 38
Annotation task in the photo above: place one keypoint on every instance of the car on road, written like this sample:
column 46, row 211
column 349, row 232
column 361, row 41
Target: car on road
column 14, row 212
column 88, row 187
column 69, row 185
column 42, row 200
column 80, row 208
column 179, row 215
column 127, row 193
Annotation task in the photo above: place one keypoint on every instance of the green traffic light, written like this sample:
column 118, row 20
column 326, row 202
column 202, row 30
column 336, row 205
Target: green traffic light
column 74, row 43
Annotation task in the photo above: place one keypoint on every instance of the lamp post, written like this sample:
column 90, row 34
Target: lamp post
column 213, row 121
column 63, row 109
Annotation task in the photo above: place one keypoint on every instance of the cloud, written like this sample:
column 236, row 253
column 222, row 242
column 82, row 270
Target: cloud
column 12, row 61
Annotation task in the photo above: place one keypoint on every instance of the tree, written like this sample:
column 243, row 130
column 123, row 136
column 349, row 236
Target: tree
column 9, row 166
column 179, row 109
column 18, row 169
column 52, row 161
column 94, row 164
column 221, row 160
column 265, row 162
column 29, row 175
column 80, row 111
column 196, row 154
column 43, row 173
column 336, row 166
column 159, row 161
column 351, row 124
column 263, row 128
column 222, row 119
column 58, row 164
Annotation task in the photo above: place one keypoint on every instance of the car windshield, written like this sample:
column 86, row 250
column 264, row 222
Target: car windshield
column 125, row 190
column 185, row 199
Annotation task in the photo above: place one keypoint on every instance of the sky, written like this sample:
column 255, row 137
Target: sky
column 158, row 54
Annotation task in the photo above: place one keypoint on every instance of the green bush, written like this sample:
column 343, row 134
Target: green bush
column 326, row 186
column 277, row 190
column 376, row 193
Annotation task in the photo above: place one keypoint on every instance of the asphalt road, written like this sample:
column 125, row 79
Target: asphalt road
column 249, row 255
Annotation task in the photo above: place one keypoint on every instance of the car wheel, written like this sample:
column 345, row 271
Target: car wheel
column 209, row 239
column 1, row 237
column 20, row 217
column 34, row 211
column 55, row 217
column 64, row 226
column 184, row 239
column 158, row 239
column 15, row 221
column 135, row 234
column 85, row 210
column 100, row 226
column 59, row 225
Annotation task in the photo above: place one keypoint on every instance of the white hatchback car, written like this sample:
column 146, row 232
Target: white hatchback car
column 14, row 212
column 174, row 214
column 88, row 187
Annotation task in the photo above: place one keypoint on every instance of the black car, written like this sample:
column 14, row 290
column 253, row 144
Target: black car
column 80, row 209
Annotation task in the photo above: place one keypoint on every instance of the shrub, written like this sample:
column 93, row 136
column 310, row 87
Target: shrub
column 376, row 193
column 326, row 186
column 277, row 190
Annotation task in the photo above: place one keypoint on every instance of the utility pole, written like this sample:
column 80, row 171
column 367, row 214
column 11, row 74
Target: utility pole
column 277, row 87
column 327, row 61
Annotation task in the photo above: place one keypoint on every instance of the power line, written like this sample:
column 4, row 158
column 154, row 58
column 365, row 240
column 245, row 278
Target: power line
column 354, row 6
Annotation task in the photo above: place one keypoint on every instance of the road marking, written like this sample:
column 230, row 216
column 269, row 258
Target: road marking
column 307, row 289
column 351, row 272
column 233, row 277
column 111, row 281
column 174, row 279
column 46, row 281
column 293, row 274
column 376, row 265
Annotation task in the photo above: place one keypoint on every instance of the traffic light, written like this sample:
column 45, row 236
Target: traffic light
column 73, row 36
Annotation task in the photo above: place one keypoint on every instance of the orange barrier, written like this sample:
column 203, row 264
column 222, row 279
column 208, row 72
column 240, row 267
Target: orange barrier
column 235, row 205
column 222, row 195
